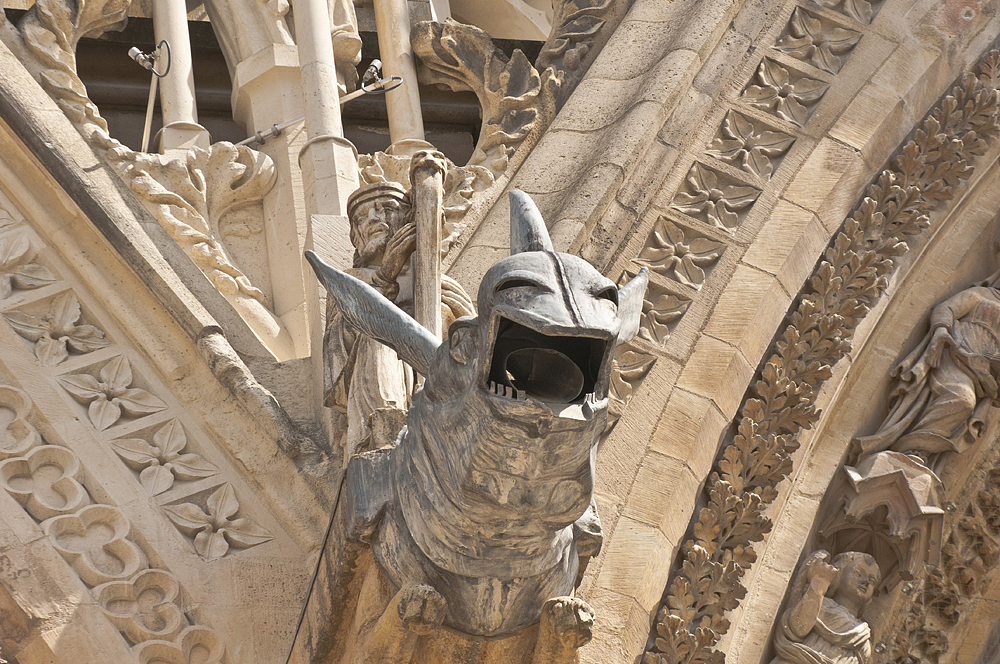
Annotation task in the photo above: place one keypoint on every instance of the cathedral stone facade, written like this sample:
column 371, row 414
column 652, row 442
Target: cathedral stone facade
column 460, row 331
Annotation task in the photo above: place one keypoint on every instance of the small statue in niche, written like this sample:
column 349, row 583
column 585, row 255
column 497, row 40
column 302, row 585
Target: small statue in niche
column 823, row 624
column 384, row 237
column 463, row 541
column 948, row 382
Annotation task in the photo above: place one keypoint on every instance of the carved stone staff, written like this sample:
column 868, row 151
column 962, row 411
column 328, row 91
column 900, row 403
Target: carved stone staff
column 427, row 178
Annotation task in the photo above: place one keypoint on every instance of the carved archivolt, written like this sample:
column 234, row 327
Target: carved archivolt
column 96, row 540
column 849, row 280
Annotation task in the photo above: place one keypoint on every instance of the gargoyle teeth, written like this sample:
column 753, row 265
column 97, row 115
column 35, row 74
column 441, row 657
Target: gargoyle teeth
column 508, row 391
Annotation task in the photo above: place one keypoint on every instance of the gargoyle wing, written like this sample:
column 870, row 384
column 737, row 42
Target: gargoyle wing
column 369, row 312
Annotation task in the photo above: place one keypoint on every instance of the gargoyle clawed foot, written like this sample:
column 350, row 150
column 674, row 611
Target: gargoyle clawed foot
column 566, row 626
column 415, row 611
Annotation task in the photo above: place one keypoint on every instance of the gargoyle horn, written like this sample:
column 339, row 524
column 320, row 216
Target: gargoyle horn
column 630, row 298
column 369, row 312
column 527, row 228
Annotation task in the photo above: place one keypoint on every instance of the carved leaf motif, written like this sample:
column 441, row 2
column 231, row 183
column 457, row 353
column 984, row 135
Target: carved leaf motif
column 670, row 253
column 859, row 10
column 162, row 462
column 658, row 316
column 741, row 142
column 215, row 532
column 814, row 40
column 779, row 94
column 717, row 203
column 56, row 330
column 106, row 398
column 853, row 275
column 16, row 268
column 628, row 369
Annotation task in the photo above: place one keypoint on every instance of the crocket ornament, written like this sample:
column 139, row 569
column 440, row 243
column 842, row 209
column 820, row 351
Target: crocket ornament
column 463, row 541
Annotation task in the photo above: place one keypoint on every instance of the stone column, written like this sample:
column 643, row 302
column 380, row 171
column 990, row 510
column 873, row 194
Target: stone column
column 328, row 160
column 406, row 123
column 181, row 130
column 427, row 175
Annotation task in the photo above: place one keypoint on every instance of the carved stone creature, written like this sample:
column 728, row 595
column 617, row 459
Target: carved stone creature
column 478, row 518
column 823, row 624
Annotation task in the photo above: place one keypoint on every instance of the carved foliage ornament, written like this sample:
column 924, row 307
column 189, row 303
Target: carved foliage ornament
column 96, row 540
column 712, row 197
column 782, row 93
column 679, row 254
column 109, row 395
column 817, row 41
column 755, row 150
column 57, row 332
column 215, row 530
column 849, row 280
column 18, row 268
column 162, row 462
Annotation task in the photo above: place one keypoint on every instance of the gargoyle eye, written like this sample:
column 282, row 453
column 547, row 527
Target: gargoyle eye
column 609, row 293
column 514, row 283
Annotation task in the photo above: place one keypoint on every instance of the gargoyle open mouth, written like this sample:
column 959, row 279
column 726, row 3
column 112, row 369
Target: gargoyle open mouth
column 555, row 369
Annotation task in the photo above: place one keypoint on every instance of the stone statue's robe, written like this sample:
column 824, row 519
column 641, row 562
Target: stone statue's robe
column 837, row 638
column 942, row 409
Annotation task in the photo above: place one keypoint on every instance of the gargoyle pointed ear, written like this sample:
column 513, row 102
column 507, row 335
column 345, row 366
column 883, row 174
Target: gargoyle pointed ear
column 527, row 228
column 630, row 298
column 371, row 313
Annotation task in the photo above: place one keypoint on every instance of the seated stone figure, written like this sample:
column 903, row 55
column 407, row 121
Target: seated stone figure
column 823, row 625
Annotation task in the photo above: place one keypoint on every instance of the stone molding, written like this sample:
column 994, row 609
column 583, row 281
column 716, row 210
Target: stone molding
column 847, row 283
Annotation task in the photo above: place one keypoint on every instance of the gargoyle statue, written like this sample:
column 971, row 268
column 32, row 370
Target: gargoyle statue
column 477, row 518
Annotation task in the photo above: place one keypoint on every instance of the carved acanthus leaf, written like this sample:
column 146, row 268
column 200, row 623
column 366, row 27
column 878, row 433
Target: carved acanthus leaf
column 51, row 30
column 576, row 26
column 851, row 277
column 191, row 197
column 515, row 99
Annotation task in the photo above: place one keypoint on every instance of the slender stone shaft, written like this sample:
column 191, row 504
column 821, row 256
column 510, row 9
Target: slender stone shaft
column 180, row 114
column 406, row 123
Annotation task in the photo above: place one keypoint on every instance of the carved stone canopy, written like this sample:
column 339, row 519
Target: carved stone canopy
column 891, row 506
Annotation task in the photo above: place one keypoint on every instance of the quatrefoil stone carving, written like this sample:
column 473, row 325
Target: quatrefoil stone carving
column 94, row 542
column 195, row 644
column 144, row 608
column 45, row 482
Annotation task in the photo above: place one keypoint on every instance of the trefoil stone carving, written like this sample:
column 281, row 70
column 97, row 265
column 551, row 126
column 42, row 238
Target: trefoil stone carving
column 108, row 397
column 145, row 607
column 94, row 541
column 214, row 531
column 162, row 462
column 706, row 582
column 714, row 198
column 194, row 644
column 18, row 436
column 57, row 332
column 817, row 41
column 782, row 93
column 45, row 482
column 679, row 254
column 17, row 266
column 754, row 150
